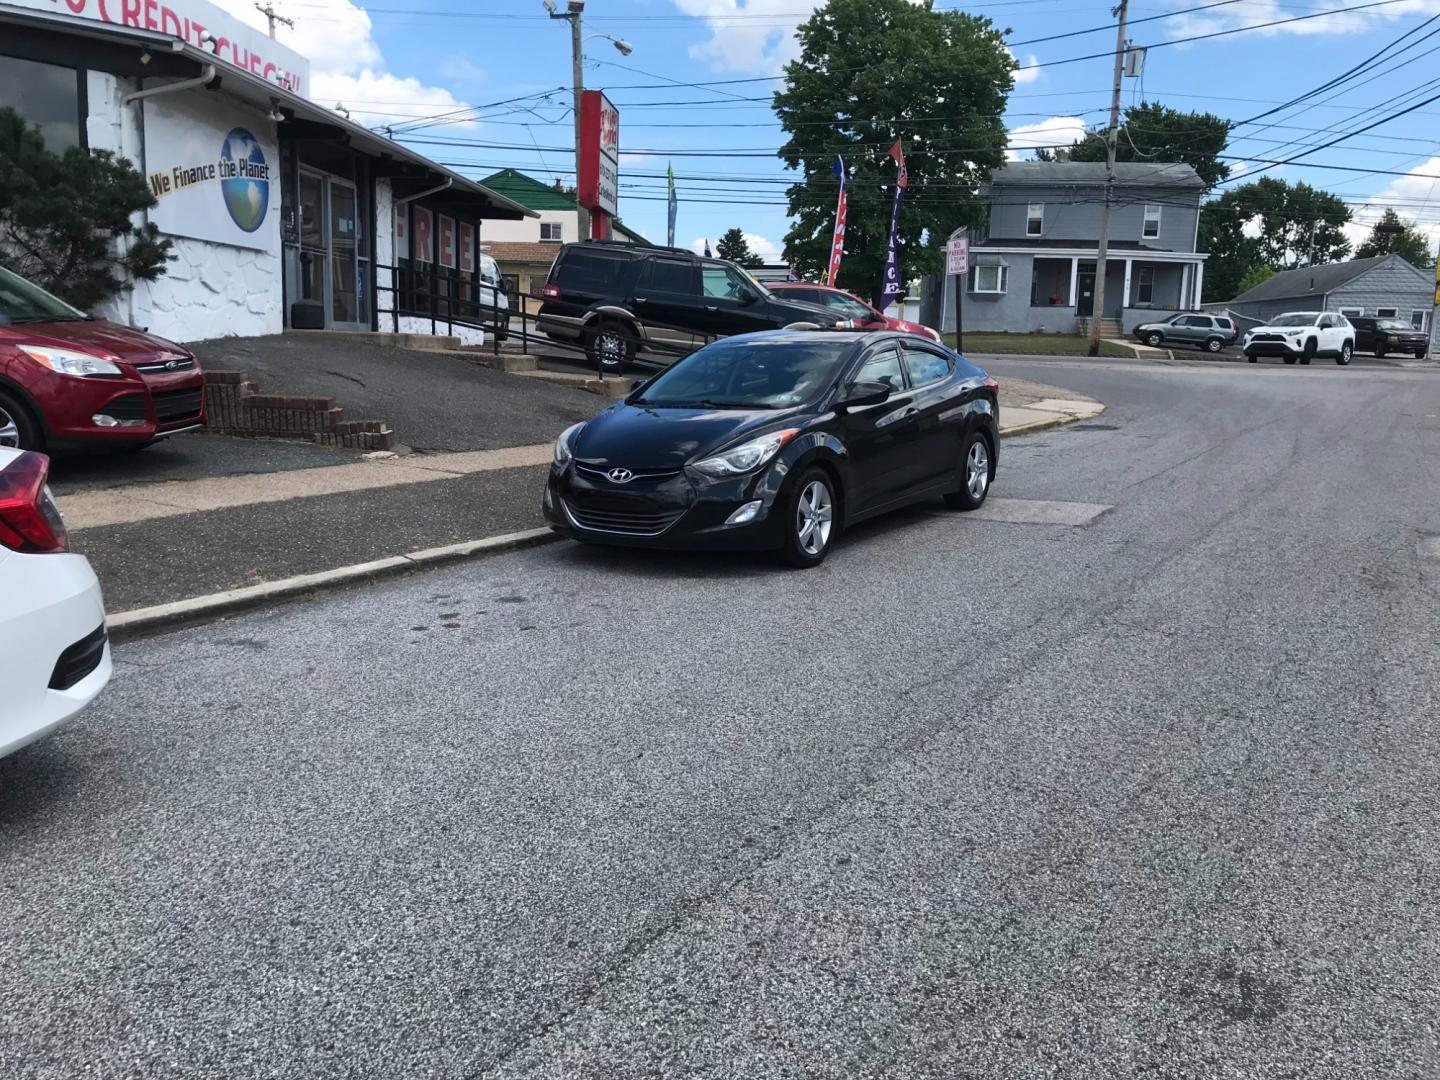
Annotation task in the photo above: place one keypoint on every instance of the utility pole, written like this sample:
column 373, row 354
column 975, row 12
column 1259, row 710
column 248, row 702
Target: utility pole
column 573, row 12
column 268, row 10
column 1097, row 314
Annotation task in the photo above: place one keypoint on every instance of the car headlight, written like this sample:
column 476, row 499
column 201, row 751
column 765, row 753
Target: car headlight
column 563, row 453
column 747, row 456
column 70, row 362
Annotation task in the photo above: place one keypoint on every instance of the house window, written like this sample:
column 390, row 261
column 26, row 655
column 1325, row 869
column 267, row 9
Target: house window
column 1034, row 221
column 46, row 95
column 989, row 279
column 1417, row 319
column 1387, row 313
column 1152, row 221
column 1352, row 312
column 550, row 230
column 1145, row 286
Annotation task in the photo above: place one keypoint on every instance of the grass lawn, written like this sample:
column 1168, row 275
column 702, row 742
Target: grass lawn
column 1037, row 344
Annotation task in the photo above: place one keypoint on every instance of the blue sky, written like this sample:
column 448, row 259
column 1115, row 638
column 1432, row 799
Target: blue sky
column 402, row 60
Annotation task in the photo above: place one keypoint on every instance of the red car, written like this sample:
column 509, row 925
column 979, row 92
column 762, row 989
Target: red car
column 848, row 306
column 69, row 380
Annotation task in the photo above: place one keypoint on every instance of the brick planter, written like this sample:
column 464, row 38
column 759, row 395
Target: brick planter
column 234, row 406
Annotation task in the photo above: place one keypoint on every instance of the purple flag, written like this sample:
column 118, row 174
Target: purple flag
column 891, row 288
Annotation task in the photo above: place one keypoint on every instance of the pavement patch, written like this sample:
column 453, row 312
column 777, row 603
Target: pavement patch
column 1040, row 512
column 1429, row 547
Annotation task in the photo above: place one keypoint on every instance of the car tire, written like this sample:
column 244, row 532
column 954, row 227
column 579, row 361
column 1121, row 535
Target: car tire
column 1214, row 344
column 610, row 347
column 1291, row 359
column 1309, row 353
column 1154, row 339
column 1420, row 355
column 976, row 470
column 1251, row 357
column 1346, row 352
column 18, row 428
column 811, row 520
column 1379, row 352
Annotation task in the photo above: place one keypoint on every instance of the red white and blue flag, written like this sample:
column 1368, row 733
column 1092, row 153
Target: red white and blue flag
column 837, row 244
column 890, row 287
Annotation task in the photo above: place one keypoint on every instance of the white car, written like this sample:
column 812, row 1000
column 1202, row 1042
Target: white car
column 1302, row 336
column 54, row 655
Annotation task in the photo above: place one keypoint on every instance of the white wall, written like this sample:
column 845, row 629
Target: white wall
column 384, row 254
column 527, row 231
column 209, row 290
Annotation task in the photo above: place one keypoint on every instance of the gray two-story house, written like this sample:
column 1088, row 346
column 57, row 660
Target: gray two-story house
column 1033, row 267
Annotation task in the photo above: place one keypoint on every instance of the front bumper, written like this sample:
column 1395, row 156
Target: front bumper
column 1272, row 348
column 142, row 408
column 671, row 509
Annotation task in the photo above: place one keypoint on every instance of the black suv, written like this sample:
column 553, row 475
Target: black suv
column 1381, row 336
column 613, row 298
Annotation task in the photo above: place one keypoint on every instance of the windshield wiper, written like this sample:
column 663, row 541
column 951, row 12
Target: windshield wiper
column 19, row 320
column 706, row 404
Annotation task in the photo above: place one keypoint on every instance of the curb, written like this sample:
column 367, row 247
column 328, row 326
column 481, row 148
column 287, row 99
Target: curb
column 128, row 625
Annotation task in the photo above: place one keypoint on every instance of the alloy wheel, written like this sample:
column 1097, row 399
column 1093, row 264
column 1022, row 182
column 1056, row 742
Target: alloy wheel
column 9, row 430
column 977, row 469
column 611, row 348
column 814, row 517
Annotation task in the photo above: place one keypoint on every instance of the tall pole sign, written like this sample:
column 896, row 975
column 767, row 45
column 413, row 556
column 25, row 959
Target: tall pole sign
column 957, row 265
column 599, row 166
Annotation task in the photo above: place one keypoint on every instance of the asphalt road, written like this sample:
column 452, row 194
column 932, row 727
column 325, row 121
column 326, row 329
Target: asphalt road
column 1152, row 797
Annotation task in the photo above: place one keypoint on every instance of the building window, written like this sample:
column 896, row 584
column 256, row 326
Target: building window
column 1352, row 312
column 1035, row 219
column 989, row 279
column 1145, row 286
column 550, row 230
column 48, row 96
column 1152, row 221
column 1387, row 313
column 1417, row 319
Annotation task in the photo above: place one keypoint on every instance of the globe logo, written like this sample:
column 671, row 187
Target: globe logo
column 245, row 185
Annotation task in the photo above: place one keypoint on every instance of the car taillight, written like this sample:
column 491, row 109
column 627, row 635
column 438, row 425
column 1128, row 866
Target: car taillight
column 991, row 383
column 550, row 292
column 29, row 519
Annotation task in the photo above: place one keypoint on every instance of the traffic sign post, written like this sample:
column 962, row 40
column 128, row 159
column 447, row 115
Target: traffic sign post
column 957, row 264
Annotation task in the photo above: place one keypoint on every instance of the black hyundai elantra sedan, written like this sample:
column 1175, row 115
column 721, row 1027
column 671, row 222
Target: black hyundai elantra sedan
column 778, row 441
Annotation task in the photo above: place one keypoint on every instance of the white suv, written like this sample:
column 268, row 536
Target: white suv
column 1302, row 335
column 54, row 656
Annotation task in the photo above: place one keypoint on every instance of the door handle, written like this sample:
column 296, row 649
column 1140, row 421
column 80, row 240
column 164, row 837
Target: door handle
column 711, row 307
column 641, row 300
column 911, row 411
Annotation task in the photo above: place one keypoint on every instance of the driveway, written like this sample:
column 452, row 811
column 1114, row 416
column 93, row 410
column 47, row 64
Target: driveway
column 982, row 797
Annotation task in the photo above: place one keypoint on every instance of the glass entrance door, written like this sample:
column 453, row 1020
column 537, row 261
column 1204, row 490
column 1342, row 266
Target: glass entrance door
column 331, row 270
column 345, row 290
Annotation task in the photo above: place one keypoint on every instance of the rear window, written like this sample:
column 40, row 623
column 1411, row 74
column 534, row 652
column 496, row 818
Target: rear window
column 1224, row 324
column 589, row 271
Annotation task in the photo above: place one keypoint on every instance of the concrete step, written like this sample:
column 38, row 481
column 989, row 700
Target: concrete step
column 417, row 342
column 609, row 388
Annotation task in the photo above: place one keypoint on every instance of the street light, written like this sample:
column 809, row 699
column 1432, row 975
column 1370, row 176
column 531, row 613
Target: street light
column 573, row 10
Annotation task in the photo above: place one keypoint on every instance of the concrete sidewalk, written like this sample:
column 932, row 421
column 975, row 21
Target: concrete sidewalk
column 248, row 537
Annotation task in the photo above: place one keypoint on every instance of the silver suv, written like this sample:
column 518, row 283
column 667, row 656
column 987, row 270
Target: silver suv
column 1209, row 332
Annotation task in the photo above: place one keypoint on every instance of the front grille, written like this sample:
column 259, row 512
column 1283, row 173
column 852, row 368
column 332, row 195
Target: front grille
column 128, row 407
column 167, row 367
column 637, row 474
column 1267, row 337
column 633, row 522
column 79, row 660
column 176, row 405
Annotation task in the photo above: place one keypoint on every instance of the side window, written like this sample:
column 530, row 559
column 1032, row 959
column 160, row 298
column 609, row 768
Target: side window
column 589, row 271
column 924, row 366
column 721, row 280
column 883, row 368
column 673, row 276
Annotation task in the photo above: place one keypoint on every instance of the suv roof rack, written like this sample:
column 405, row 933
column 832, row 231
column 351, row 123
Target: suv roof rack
column 636, row 247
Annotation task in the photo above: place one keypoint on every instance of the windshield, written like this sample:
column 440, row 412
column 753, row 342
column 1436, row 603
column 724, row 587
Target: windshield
column 1392, row 324
column 753, row 373
column 848, row 307
column 1298, row 319
column 22, row 302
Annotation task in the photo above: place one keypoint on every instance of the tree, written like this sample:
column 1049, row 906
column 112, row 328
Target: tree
column 1269, row 222
column 1391, row 236
column 869, row 72
column 736, row 248
column 1158, row 133
column 1257, row 276
column 66, row 220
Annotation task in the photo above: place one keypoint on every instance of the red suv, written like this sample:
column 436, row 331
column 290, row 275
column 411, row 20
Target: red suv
column 67, row 379
column 849, row 306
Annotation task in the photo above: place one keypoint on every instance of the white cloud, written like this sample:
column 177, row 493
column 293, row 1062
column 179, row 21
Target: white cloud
column 768, row 250
column 1027, row 72
column 1403, row 194
column 1052, row 131
column 1255, row 12
column 346, row 64
column 754, row 36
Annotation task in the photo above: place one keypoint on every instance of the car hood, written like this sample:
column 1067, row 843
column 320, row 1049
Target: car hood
column 642, row 437
column 801, row 311
column 96, row 336
column 909, row 327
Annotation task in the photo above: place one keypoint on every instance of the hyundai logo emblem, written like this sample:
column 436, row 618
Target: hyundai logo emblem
column 621, row 476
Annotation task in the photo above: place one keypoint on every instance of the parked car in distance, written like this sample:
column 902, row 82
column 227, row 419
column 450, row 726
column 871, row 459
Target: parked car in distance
column 67, row 379
column 614, row 298
column 1302, row 336
column 851, row 308
column 1197, row 330
column 1380, row 337
column 54, row 656
column 778, row 441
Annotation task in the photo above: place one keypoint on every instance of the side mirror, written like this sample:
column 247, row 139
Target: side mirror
column 636, row 385
column 858, row 395
column 747, row 295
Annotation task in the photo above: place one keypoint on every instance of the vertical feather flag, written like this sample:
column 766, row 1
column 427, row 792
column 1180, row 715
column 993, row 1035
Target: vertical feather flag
column 890, row 287
column 837, row 242
column 670, row 228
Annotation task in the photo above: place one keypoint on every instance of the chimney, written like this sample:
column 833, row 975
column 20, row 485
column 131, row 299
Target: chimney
column 558, row 185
